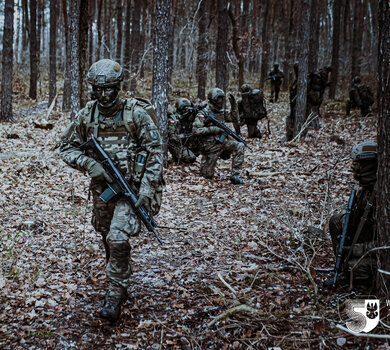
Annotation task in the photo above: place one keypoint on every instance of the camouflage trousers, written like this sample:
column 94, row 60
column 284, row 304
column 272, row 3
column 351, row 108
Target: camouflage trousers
column 275, row 88
column 181, row 153
column 365, row 109
column 364, row 269
column 116, row 222
column 213, row 150
column 253, row 130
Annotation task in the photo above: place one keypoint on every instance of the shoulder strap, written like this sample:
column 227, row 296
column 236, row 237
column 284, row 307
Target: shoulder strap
column 362, row 221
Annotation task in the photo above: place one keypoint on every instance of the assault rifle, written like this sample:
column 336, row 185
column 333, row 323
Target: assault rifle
column 343, row 235
column 119, row 186
column 211, row 119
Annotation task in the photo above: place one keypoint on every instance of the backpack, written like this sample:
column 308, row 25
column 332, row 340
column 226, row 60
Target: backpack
column 366, row 95
column 143, row 103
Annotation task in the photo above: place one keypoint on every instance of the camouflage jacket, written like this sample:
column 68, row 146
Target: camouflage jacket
column 127, row 133
column 208, row 132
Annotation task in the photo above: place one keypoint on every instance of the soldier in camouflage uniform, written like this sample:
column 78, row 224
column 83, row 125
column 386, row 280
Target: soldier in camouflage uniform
column 182, row 143
column 276, row 76
column 317, row 83
column 213, row 141
column 131, row 138
column 360, row 96
column 251, row 109
column 364, row 166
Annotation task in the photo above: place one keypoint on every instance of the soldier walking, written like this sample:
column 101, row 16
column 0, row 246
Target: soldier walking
column 131, row 138
column 276, row 76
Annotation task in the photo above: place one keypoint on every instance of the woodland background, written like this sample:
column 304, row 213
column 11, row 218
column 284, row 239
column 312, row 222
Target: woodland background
column 241, row 253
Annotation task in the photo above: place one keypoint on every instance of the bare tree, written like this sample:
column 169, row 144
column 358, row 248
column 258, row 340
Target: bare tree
column 313, row 41
column 83, row 51
column 160, row 67
column 135, row 43
column 53, row 51
column 74, row 54
column 7, row 63
column 335, row 48
column 127, row 53
column 303, row 62
column 67, row 79
column 383, row 198
column 266, row 45
column 119, row 25
column 33, row 50
column 357, row 38
column 202, row 50
column 221, row 72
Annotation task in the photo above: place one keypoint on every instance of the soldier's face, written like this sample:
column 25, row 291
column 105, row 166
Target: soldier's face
column 105, row 95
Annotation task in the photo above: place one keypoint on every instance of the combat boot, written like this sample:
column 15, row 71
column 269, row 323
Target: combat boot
column 111, row 310
column 236, row 180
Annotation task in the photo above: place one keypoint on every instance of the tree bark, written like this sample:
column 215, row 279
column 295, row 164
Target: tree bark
column 119, row 24
column 33, row 50
column 127, row 53
column 74, row 54
column 202, row 50
column 53, row 51
column 160, row 68
column 335, row 49
column 313, row 43
column 357, row 38
column 7, row 62
column 83, row 51
column 383, row 192
column 221, row 73
column 236, row 47
column 135, row 43
column 266, row 45
column 303, row 63
column 67, row 87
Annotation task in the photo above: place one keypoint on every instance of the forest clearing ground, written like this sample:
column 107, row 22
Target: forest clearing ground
column 224, row 246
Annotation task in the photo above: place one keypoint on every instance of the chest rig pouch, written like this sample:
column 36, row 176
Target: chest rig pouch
column 117, row 136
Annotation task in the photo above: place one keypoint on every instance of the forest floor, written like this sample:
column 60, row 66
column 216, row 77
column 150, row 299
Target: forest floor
column 239, row 269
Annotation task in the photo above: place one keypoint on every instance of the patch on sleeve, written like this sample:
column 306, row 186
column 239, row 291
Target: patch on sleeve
column 201, row 116
column 153, row 132
column 75, row 116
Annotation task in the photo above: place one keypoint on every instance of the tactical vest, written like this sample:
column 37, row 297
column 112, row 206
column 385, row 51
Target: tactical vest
column 118, row 137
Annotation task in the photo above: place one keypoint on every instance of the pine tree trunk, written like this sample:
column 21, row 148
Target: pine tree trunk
column 91, row 13
column 53, row 51
column 160, row 68
column 383, row 192
column 335, row 48
column 303, row 63
column 221, row 73
column 266, row 45
column 74, row 53
column 127, row 53
column 119, row 23
column 357, row 38
column 33, row 50
column 134, row 43
column 26, row 25
column 313, row 41
column 202, row 50
column 83, row 51
column 7, row 62
column 67, row 87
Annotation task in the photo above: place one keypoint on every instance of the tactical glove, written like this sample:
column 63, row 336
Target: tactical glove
column 143, row 201
column 96, row 170
column 215, row 130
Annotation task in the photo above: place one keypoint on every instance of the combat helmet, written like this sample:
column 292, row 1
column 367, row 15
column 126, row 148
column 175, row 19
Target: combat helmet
column 246, row 88
column 182, row 104
column 356, row 80
column 365, row 162
column 105, row 73
column 216, row 99
column 256, row 95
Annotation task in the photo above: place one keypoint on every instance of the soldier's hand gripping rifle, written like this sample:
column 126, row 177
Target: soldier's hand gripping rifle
column 343, row 235
column 119, row 186
column 211, row 119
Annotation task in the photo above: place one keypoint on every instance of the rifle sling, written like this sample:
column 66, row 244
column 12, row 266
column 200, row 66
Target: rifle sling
column 362, row 221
